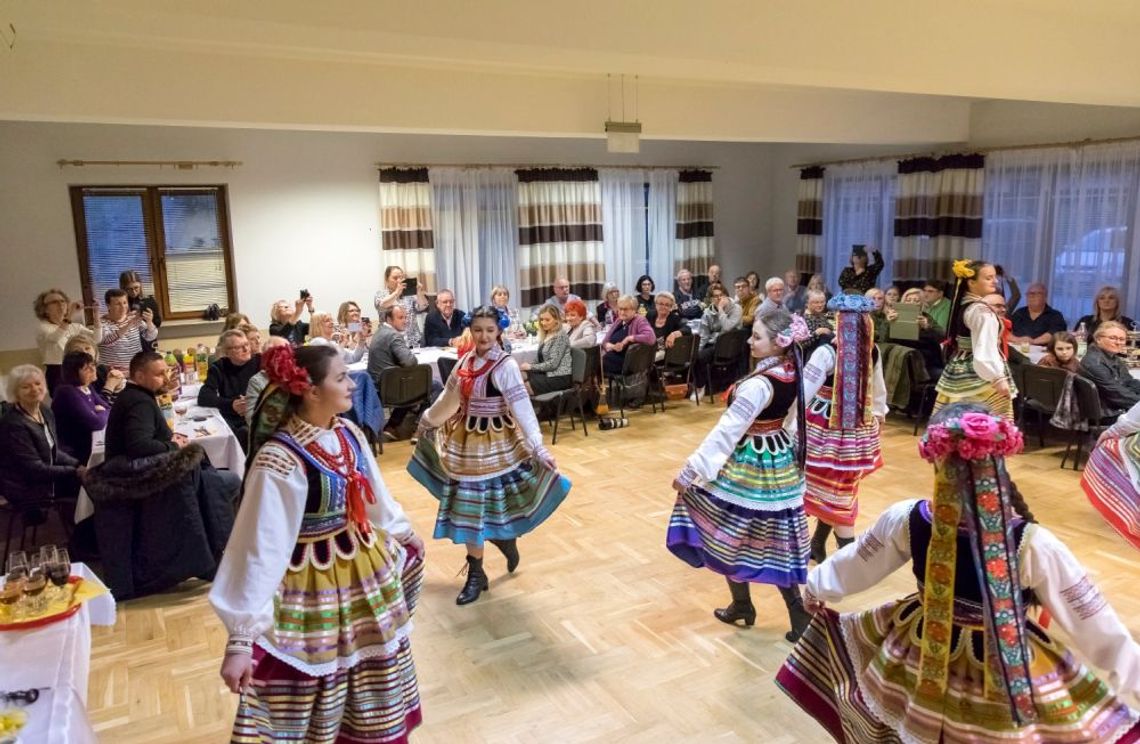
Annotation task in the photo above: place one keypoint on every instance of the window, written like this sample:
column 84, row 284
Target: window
column 176, row 238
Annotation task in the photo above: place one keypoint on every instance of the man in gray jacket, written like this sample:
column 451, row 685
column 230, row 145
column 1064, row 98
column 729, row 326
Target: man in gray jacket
column 390, row 349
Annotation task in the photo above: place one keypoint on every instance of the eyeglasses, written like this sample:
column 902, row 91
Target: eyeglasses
column 1116, row 339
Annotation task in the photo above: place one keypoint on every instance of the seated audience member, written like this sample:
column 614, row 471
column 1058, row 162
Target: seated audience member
column 236, row 320
column 721, row 315
column 685, row 291
column 630, row 328
column 879, row 314
column 444, row 325
column 819, row 322
column 551, row 370
column 108, row 381
column 1037, row 321
column 666, row 322
column 415, row 305
column 607, row 309
column 997, row 303
column 892, row 296
column 1105, row 307
column 816, row 282
column 714, row 277
column 912, row 296
column 773, row 296
column 228, row 379
column 747, row 300
column 356, row 330
column 78, row 409
column 753, row 280
column 162, row 513
column 259, row 381
column 253, row 335
column 795, row 294
column 1104, row 365
column 562, row 295
column 501, row 300
column 580, row 327
column 644, row 294
column 131, row 283
column 56, row 318
column 936, row 305
column 388, row 349
column 33, row 465
column 323, row 332
column 285, row 319
column 1061, row 352
column 122, row 332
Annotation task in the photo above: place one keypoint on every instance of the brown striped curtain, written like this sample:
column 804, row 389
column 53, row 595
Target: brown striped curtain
column 560, row 232
column 938, row 214
column 405, row 223
column 809, row 221
column 695, row 242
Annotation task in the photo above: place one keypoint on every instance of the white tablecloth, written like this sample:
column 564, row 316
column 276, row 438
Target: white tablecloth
column 522, row 351
column 56, row 660
column 204, row 426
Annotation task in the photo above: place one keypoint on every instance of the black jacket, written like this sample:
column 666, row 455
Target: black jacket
column 148, row 303
column 1118, row 390
column 30, row 467
column 225, row 383
column 437, row 331
column 136, row 427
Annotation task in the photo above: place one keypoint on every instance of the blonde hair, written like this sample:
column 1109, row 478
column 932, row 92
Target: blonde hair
column 40, row 304
column 668, row 296
column 1096, row 301
column 628, row 301
column 273, row 309
column 236, row 320
column 82, row 342
column 1108, row 325
column 500, row 289
column 342, row 311
column 912, row 292
column 553, row 312
column 316, row 322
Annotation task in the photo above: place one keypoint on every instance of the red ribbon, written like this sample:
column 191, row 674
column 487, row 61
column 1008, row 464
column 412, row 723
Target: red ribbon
column 1006, row 333
column 358, row 492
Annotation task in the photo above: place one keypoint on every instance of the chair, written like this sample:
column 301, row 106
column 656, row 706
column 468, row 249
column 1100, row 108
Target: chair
column 1088, row 402
column 561, row 398
column 633, row 382
column 1040, row 391
column 727, row 351
column 922, row 385
column 24, row 514
column 677, row 366
column 404, row 387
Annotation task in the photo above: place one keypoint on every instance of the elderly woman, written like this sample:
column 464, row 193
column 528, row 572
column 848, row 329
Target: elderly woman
column 395, row 282
column 108, row 381
column 819, row 322
column 551, row 371
column 580, row 327
column 630, row 328
column 501, row 301
column 252, row 334
column 816, row 282
column 1105, row 307
column 57, row 315
column 33, row 467
column 324, row 332
column 666, row 322
column 78, row 409
column 285, row 319
column 1103, row 364
column 607, row 309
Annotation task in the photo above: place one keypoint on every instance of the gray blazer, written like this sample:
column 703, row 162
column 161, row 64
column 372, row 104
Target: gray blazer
column 388, row 349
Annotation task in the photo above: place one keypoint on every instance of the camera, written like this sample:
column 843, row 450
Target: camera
column 305, row 294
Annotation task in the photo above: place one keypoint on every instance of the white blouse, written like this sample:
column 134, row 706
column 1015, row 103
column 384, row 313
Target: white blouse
column 269, row 521
column 52, row 339
column 822, row 364
column 349, row 356
column 985, row 340
column 1046, row 566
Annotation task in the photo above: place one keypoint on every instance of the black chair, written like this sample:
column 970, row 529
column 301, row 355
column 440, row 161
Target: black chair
column 445, row 366
column 727, row 353
column 1092, row 415
column 924, row 390
column 677, row 366
column 404, row 387
column 31, row 515
column 562, row 399
column 633, row 382
column 1040, row 391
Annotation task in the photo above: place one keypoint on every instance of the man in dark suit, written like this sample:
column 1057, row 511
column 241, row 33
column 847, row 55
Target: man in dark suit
column 444, row 324
column 389, row 349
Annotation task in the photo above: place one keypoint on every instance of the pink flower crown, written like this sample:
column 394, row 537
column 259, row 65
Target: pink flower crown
column 281, row 367
column 796, row 332
column 973, row 436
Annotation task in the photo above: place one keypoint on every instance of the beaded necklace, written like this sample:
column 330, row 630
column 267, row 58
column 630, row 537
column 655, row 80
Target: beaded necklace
column 358, row 491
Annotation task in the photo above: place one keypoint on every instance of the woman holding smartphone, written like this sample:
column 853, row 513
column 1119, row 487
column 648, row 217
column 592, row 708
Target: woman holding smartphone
column 395, row 286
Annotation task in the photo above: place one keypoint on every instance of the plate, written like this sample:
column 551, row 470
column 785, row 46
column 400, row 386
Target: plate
column 55, row 610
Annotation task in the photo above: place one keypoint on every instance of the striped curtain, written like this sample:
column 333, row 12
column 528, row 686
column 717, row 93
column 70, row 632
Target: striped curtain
column 695, row 243
column 560, row 232
column 938, row 214
column 809, row 221
column 405, row 223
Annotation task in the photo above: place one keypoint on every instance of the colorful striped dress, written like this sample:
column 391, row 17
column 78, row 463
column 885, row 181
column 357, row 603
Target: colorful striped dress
column 1111, row 478
column 977, row 363
column 857, row 673
column 742, row 513
column 326, row 601
column 839, row 458
column 478, row 463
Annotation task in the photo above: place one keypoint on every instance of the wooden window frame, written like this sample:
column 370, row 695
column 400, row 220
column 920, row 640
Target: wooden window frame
column 155, row 238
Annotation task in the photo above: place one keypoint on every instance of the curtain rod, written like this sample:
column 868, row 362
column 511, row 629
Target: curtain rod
column 475, row 166
column 179, row 164
column 967, row 148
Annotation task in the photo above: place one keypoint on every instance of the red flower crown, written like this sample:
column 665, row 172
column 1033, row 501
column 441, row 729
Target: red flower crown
column 281, row 367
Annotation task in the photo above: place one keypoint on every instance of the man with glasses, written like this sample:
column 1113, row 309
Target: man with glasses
column 227, row 380
column 562, row 294
column 1104, row 365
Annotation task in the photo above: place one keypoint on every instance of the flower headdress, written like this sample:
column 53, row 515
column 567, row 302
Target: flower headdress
column 796, row 332
column 850, row 303
column 962, row 269
column 280, row 366
column 972, row 436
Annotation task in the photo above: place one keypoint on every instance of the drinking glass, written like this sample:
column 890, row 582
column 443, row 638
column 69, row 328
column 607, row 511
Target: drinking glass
column 59, row 572
column 34, row 586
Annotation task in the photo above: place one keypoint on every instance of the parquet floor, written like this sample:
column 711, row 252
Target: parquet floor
column 601, row 635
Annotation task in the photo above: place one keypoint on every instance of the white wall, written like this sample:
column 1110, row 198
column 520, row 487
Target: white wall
column 303, row 205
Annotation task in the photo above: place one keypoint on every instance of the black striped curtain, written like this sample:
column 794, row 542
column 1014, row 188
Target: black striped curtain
column 695, row 242
column 938, row 215
column 405, row 223
column 809, row 221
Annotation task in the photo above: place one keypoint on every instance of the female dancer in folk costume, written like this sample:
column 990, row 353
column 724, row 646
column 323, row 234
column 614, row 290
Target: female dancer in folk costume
column 960, row 661
column 321, row 574
column 843, row 380
column 486, row 462
column 1112, row 476
column 977, row 371
column 740, row 502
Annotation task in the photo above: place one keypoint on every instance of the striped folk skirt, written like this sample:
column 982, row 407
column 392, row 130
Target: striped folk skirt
column 837, row 460
column 1108, row 482
column 959, row 383
column 487, row 485
column 856, row 674
column 749, row 523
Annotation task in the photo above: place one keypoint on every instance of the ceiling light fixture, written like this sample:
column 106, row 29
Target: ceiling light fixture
column 622, row 136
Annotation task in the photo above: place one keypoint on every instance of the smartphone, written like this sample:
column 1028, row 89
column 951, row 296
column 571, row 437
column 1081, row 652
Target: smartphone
column 305, row 294
column 366, row 320
column 355, row 327
column 410, row 287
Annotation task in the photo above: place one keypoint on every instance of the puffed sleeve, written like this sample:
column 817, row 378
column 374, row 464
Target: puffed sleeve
column 1049, row 568
column 386, row 513
column 261, row 543
column 509, row 380
column 1128, row 423
column 985, row 333
column 876, row 554
column 446, row 404
column 752, row 396
column 821, row 364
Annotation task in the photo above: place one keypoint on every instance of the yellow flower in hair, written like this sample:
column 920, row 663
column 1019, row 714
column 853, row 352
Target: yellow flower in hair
column 962, row 269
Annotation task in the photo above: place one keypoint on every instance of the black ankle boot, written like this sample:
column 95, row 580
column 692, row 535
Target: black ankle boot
column 796, row 612
column 819, row 541
column 844, row 541
column 510, row 549
column 741, row 607
column 476, row 582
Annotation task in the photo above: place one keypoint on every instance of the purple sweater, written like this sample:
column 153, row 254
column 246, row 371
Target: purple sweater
column 76, row 419
column 640, row 332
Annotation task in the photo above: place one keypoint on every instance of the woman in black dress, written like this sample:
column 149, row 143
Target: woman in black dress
column 859, row 277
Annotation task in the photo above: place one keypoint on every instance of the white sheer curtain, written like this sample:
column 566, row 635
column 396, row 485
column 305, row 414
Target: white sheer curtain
column 623, row 225
column 858, row 207
column 663, row 249
column 1066, row 217
column 498, row 232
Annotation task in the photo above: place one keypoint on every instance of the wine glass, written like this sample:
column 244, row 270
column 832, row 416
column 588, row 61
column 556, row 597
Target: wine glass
column 34, row 586
column 59, row 572
column 13, row 588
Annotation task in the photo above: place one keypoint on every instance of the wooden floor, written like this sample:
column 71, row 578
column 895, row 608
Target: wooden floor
column 601, row 635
